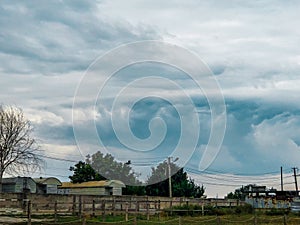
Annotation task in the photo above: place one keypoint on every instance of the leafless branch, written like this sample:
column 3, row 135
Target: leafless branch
column 17, row 146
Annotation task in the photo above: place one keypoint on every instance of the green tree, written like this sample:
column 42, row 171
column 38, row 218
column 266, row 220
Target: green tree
column 134, row 190
column 83, row 172
column 108, row 167
column 102, row 167
column 181, row 184
column 238, row 193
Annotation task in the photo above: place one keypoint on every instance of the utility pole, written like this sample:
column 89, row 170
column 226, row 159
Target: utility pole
column 169, row 175
column 281, row 178
column 295, row 175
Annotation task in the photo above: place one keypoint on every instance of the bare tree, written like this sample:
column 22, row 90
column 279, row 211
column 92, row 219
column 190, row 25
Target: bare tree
column 18, row 149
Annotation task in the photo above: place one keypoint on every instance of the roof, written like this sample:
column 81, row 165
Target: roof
column 13, row 180
column 91, row 184
column 47, row 180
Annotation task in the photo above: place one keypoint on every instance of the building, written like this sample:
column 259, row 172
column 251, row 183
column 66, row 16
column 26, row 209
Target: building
column 295, row 206
column 253, row 190
column 286, row 195
column 47, row 185
column 18, row 185
column 104, row 187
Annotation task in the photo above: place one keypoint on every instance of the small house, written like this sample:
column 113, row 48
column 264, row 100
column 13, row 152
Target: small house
column 104, row 187
column 47, row 185
column 18, row 185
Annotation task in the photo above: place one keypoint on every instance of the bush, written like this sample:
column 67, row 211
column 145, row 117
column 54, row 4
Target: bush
column 210, row 210
column 276, row 212
column 244, row 209
column 190, row 210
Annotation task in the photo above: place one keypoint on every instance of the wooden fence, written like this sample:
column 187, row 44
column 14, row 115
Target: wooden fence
column 76, row 204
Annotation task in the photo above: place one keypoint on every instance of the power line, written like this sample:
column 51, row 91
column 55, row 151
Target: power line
column 56, row 175
column 56, row 158
column 232, row 176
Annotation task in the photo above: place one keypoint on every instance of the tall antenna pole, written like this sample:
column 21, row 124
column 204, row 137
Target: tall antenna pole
column 169, row 175
column 295, row 175
column 281, row 178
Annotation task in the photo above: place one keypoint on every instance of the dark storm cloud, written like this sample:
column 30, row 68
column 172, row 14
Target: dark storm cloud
column 59, row 36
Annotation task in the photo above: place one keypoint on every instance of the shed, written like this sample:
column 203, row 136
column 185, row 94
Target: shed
column 18, row 185
column 47, row 185
column 104, row 187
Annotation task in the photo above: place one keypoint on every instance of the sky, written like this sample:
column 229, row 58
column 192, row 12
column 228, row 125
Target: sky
column 52, row 65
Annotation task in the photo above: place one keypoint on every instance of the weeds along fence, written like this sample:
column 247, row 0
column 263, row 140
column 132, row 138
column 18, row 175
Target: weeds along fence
column 205, row 220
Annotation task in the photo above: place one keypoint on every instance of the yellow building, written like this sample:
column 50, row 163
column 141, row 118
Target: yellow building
column 103, row 187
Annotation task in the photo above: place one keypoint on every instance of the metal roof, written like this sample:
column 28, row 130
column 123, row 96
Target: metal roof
column 13, row 180
column 47, row 180
column 90, row 184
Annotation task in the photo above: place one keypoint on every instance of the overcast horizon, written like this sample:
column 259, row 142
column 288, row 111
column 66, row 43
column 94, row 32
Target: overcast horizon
column 252, row 49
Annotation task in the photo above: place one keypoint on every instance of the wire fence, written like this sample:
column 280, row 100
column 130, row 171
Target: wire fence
column 216, row 220
column 136, row 219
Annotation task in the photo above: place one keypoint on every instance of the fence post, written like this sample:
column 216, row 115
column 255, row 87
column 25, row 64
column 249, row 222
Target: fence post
column 284, row 219
column 218, row 220
column 188, row 209
column 83, row 220
column 136, row 207
column 136, row 211
column 255, row 219
column 126, row 211
column 55, row 211
column 159, row 210
column 130, row 200
column 114, row 206
column 93, row 208
column 74, row 205
column 103, row 210
column 171, row 206
column 179, row 220
column 80, row 206
column 148, row 212
column 29, row 212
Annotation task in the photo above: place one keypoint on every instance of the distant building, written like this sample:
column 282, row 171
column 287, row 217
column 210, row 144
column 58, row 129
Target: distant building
column 18, row 185
column 262, row 197
column 47, row 185
column 104, row 187
column 295, row 206
column 253, row 190
column 285, row 195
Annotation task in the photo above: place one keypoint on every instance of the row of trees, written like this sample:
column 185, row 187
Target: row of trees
column 98, row 166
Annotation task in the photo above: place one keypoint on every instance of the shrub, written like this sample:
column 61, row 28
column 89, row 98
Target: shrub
column 276, row 212
column 210, row 210
column 244, row 209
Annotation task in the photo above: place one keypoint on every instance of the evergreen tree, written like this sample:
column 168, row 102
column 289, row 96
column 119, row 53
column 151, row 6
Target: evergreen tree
column 182, row 186
column 102, row 167
column 83, row 172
